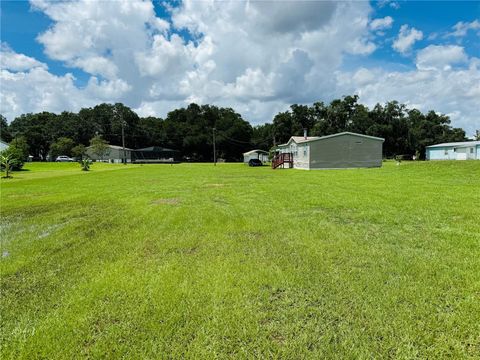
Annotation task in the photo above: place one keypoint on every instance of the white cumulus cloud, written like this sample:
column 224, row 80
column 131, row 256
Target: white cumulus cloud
column 381, row 23
column 257, row 57
column 461, row 28
column 406, row 39
column 37, row 90
column 10, row 60
column 440, row 57
column 443, row 89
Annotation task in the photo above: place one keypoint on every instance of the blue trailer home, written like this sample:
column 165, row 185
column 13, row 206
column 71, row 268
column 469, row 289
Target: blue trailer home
column 467, row 150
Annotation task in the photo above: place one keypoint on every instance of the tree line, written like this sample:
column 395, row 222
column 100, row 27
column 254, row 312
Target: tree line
column 190, row 129
column 406, row 131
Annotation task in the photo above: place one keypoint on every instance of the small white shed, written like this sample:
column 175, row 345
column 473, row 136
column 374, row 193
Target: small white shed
column 255, row 154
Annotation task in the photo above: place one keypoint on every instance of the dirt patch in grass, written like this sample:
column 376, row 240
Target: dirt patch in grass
column 220, row 201
column 167, row 201
column 189, row 250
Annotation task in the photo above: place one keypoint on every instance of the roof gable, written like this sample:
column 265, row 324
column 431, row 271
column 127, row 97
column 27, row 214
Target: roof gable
column 116, row 147
column 155, row 149
column 301, row 139
column 256, row 151
column 350, row 133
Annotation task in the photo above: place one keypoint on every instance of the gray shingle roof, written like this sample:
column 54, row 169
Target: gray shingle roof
column 301, row 139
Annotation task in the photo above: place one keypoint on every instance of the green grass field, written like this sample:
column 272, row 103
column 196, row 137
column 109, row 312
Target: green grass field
column 196, row 261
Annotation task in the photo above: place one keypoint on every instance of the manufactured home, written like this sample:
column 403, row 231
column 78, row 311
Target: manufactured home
column 113, row 154
column 342, row 150
column 467, row 150
column 152, row 154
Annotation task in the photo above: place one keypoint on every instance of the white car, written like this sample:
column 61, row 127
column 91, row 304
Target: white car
column 64, row 158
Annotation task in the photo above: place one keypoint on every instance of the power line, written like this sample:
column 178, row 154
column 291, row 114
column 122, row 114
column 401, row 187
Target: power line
column 239, row 141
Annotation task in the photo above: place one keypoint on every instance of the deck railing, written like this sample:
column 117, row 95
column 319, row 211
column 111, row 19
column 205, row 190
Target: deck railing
column 282, row 158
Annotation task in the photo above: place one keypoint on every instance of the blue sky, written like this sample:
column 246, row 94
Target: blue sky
column 431, row 17
column 256, row 57
column 20, row 26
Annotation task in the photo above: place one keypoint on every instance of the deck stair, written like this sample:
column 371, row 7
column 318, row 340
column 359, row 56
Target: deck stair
column 283, row 160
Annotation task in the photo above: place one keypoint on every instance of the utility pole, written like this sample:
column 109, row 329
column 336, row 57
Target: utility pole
column 123, row 141
column 117, row 112
column 214, row 148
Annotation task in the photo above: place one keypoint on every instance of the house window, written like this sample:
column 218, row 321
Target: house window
column 304, row 151
column 471, row 150
column 446, row 152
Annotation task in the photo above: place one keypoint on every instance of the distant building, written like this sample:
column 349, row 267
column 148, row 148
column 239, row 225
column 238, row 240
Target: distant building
column 342, row 150
column 152, row 154
column 114, row 154
column 155, row 154
column 255, row 154
column 3, row 145
column 466, row 150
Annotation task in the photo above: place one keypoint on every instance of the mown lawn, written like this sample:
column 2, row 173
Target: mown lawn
column 196, row 261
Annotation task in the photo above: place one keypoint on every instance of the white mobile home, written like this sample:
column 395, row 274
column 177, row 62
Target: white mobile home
column 466, row 150
column 342, row 150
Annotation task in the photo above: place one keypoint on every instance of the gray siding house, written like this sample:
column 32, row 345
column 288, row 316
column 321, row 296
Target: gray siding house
column 114, row 154
column 342, row 150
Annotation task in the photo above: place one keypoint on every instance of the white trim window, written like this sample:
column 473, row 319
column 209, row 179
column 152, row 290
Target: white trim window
column 294, row 149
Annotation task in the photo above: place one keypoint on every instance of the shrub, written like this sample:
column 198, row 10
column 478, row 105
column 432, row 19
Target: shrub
column 15, row 157
column 63, row 146
column 79, row 151
column 99, row 146
column 6, row 163
column 17, row 152
column 85, row 164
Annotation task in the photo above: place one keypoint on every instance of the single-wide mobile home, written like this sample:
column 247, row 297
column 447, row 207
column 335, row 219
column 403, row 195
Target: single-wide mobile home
column 342, row 150
column 113, row 154
column 466, row 150
column 255, row 154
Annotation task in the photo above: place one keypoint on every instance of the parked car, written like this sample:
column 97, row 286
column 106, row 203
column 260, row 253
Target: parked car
column 64, row 158
column 254, row 162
